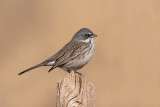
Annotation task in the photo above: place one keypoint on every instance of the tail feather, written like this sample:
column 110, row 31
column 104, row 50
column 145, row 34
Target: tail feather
column 36, row 66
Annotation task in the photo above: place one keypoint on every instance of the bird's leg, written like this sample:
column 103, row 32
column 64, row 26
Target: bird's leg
column 78, row 73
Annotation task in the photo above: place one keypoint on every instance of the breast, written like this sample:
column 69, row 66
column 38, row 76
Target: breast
column 83, row 59
column 80, row 60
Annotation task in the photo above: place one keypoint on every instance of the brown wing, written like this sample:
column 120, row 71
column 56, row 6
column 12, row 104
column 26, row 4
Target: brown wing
column 72, row 51
column 67, row 53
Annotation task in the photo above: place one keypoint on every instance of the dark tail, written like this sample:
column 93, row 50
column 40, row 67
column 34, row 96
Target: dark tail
column 36, row 66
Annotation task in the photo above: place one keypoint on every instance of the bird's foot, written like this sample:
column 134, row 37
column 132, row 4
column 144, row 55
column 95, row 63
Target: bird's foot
column 79, row 73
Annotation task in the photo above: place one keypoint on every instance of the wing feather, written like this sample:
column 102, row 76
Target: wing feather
column 70, row 51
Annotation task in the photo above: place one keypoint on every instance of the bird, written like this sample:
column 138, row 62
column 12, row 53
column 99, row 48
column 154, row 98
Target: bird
column 74, row 55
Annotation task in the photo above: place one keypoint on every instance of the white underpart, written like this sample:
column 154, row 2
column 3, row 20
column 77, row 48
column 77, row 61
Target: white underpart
column 82, row 61
column 51, row 63
column 88, row 56
column 92, row 41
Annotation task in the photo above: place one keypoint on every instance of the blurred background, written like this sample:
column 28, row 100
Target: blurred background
column 125, row 67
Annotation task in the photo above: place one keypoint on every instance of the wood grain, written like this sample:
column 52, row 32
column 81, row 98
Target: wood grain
column 75, row 91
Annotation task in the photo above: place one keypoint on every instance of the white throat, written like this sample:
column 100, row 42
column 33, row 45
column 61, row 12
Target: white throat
column 91, row 40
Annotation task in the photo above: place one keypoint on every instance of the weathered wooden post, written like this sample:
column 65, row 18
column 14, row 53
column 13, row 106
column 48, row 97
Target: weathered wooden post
column 75, row 91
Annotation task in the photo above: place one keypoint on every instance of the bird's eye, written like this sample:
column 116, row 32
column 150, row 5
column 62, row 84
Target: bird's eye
column 88, row 35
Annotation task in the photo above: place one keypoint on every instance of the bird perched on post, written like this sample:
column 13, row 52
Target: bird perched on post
column 74, row 55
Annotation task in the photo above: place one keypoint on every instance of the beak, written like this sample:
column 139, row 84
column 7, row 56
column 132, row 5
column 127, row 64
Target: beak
column 94, row 35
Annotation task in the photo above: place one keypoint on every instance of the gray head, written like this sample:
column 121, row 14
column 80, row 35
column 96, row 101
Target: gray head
column 83, row 35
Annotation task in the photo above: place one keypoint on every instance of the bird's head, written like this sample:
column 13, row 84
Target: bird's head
column 84, row 35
